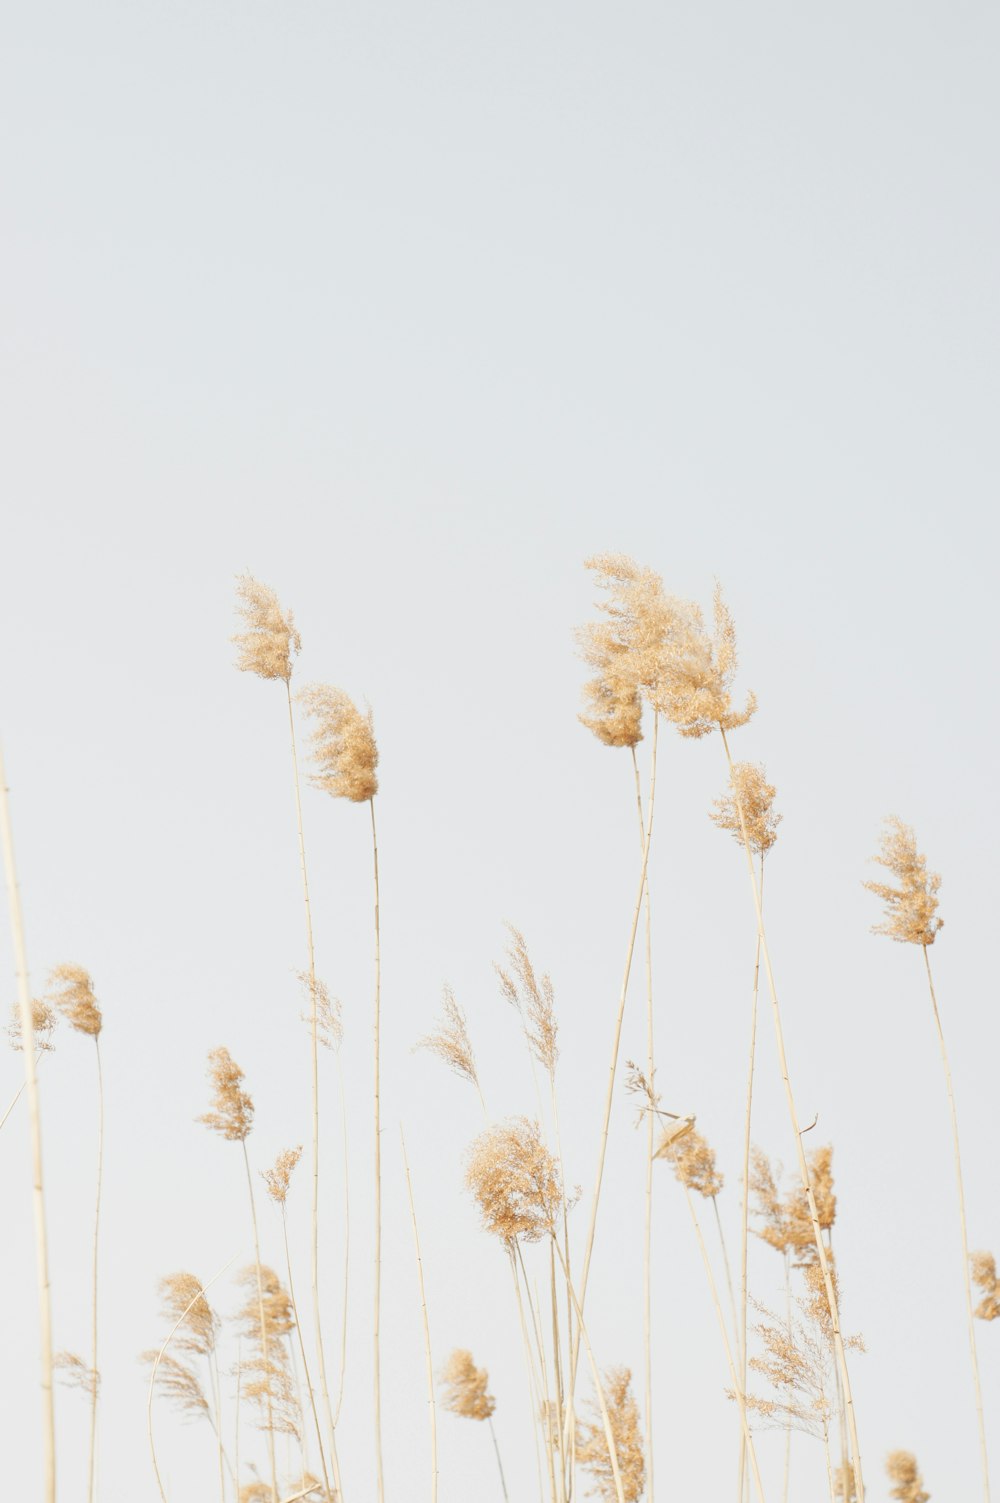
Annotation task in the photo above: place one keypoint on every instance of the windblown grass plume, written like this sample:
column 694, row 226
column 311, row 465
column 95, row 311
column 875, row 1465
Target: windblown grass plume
column 592, row 1448
column 693, row 1162
column 797, row 1364
column 750, row 789
column 627, row 649
column 270, row 1387
column 695, row 690
column 984, row 1276
column 279, row 1177
column 75, row 1373
column 450, row 1040
column 516, row 1182
column 903, row 1473
column 233, row 1107
column 270, row 640
column 74, row 998
column 467, row 1387
column 785, row 1222
column 533, row 999
column 179, row 1385
column 43, row 1022
column 329, row 1013
column 911, row 908
column 343, row 744
column 183, row 1299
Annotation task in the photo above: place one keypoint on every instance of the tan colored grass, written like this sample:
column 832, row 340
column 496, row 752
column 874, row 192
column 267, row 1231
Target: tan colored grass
column 983, row 1267
column 911, row 908
column 592, row 1450
column 343, row 745
column 903, row 1472
column 73, row 995
column 450, row 1040
column 516, row 1182
column 270, row 641
column 749, row 787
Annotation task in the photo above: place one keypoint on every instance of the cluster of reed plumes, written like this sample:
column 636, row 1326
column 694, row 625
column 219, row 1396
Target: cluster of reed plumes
column 263, row 1371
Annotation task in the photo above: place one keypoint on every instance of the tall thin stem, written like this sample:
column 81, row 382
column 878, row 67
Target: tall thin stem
column 378, row 1176
column 745, row 1200
column 427, row 1329
column 263, row 1325
column 503, row 1480
column 788, row 1418
column 529, row 1362
column 302, row 1351
column 94, row 1371
column 737, row 1387
column 609, row 1434
column 34, row 1110
column 314, row 1063
column 612, row 1070
column 647, row 1245
column 347, row 1241
column 965, row 1240
column 831, row 1293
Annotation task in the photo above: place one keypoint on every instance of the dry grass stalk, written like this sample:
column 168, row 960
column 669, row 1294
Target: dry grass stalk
column 902, row 1471
column 516, row 1182
column 911, row 918
column 592, row 1449
column 467, row 1394
column 270, row 640
column 911, row 908
column 34, row 1114
column 983, row 1268
column 750, row 789
column 343, row 744
column 450, row 1040
column 779, row 1034
column 426, row 1323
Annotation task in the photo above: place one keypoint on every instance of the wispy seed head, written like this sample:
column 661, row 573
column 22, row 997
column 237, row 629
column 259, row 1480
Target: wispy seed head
column 270, row 640
column 515, row 1180
column 592, row 1443
column 450, row 1040
column 911, row 908
column 902, row 1470
column 751, row 792
column 467, row 1387
column 984, row 1275
column 343, row 744
column 43, row 1022
column 278, row 1178
column 232, row 1113
column 693, row 1161
column 73, row 995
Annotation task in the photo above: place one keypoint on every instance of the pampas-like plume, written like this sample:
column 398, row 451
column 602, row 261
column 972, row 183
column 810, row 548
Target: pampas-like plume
column 901, row 1468
column 267, row 1317
column 178, row 1385
column 75, row 998
column 911, row 908
column 467, row 1387
column 343, row 744
column 695, row 687
column 786, row 1223
column 183, row 1300
column 43, row 1022
column 984, row 1273
column 749, row 787
column 593, row 1452
column 627, row 649
column 270, row 640
column 533, row 999
column 692, row 1159
column 233, row 1107
column 450, row 1040
column 278, row 1179
column 516, row 1181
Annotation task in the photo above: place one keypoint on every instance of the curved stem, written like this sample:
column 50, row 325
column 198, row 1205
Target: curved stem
column 314, row 1064
column 737, row 1388
column 378, row 1177
column 609, row 1094
column 965, row 1240
column 831, row 1293
column 647, row 1246
column 745, row 1206
column 94, row 1372
column 427, row 1329
column 34, row 1111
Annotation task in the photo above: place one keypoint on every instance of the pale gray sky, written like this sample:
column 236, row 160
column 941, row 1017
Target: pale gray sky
column 407, row 309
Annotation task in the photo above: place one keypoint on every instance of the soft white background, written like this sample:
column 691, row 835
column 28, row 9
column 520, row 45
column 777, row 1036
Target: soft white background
column 407, row 308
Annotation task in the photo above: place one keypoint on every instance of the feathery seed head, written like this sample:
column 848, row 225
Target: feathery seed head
column 75, row 1373
column 910, row 908
column 749, row 789
column 902, row 1470
column 74, row 997
column 178, row 1384
column 592, row 1443
column 343, row 744
column 534, row 1000
column 329, row 1013
column 695, row 687
column 278, row 1317
column 467, row 1387
column 183, row 1299
column 450, row 1040
column 277, row 1179
column 515, row 1180
column 984, row 1275
column 270, row 640
column 233, row 1107
column 692, row 1159
column 43, row 1022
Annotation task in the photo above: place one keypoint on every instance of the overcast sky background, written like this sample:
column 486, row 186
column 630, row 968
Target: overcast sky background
column 407, row 308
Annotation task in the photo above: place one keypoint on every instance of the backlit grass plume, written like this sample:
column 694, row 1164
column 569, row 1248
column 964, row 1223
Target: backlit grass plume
column 270, row 639
column 534, row 999
column 903, row 1472
column 911, row 908
column 627, row 648
column 516, row 1182
column 593, row 1452
column 984, row 1274
column 342, row 740
column 232, row 1109
column 692, row 1160
column 183, row 1300
column 73, row 994
column 694, row 689
column 43, row 1022
column 749, row 787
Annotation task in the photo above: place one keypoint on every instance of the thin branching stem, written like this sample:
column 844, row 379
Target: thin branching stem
column 34, row 1111
column 967, row 1281
column 831, row 1293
